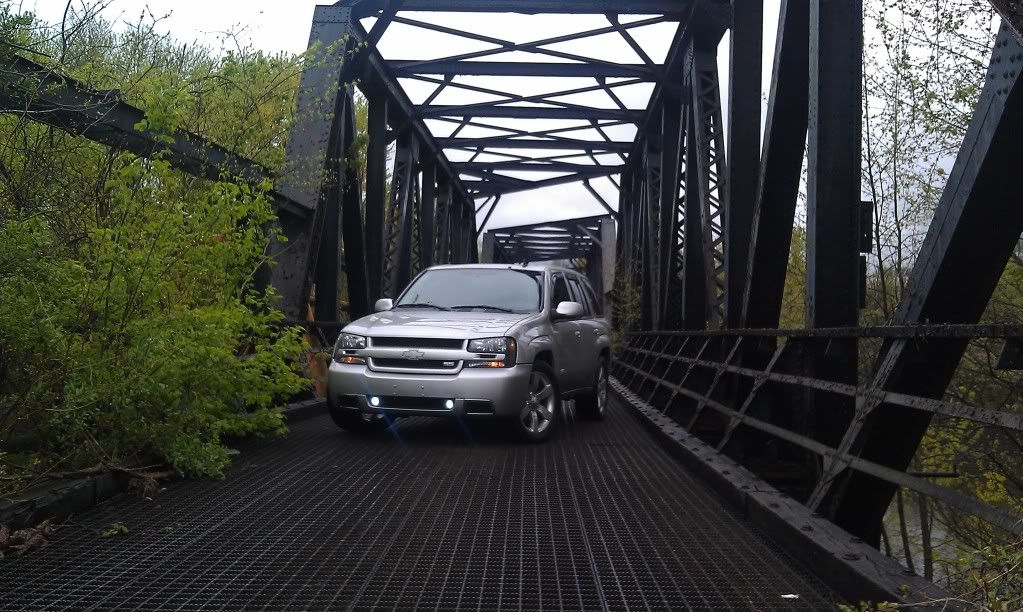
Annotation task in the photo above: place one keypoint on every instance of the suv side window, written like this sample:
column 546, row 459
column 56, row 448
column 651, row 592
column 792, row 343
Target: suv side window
column 580, row 297
column 560, row 293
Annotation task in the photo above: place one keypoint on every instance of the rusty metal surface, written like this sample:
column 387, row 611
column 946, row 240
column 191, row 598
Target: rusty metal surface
column 438, row 518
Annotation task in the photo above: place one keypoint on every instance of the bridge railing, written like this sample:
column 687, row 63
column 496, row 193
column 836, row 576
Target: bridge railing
column 756, row 396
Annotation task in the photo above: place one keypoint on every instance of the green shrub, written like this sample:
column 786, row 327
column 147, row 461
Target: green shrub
column 146, row 335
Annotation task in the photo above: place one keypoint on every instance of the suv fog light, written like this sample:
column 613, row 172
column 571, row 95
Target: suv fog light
column 450, row 404
column 375, row 401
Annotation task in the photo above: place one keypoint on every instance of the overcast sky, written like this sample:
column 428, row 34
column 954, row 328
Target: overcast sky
column 276, row 25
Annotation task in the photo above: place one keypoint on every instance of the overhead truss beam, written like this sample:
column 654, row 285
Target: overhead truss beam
column 407, row 68
column 531, row 7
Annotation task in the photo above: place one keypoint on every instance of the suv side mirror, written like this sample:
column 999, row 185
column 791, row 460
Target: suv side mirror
column 384, row 304
column 569, row 310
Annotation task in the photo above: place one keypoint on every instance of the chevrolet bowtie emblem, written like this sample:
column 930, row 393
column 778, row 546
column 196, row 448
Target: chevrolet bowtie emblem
column 413, row 355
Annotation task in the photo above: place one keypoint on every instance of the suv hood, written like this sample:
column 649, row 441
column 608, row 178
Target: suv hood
column 436, row 324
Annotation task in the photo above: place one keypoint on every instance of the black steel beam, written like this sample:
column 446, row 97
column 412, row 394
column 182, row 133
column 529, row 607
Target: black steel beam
column 694, row 279
column 531, row 7
column 378, row 74
column 526, row 166
column 429, row 211
column 833, row 199
column 405, row 68
column 563, row 144
column 1012, row 14
column 64, row 103
column 528, row 112
column 782, row 161
column 485, row 188
column 711, row 18
column 376, row 191
column 651, row 189
column 315, row 147
column 669, row 284
column 746, row 65
column 976, row 227
column 352, row 228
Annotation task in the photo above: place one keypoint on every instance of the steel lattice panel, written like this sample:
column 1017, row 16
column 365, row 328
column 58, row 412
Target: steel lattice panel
column 600, row 518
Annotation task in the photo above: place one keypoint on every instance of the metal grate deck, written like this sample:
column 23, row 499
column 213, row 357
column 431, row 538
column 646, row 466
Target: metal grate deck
column 600, row 518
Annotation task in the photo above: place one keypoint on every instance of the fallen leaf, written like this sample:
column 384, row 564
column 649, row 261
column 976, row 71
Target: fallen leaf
column 115, row 529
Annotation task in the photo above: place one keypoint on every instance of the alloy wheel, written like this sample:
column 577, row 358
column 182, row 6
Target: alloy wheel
column 538, row 412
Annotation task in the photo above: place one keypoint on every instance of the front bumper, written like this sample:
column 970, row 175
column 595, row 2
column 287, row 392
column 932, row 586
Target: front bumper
column 493, row 392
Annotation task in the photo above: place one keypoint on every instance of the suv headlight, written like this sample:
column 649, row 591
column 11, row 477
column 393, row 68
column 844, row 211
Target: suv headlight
column 503, row 348
column 345, row 346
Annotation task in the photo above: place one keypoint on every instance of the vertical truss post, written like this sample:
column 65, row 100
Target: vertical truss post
column 444, row 223
column 746, row 63
column 353, row 233
column 429, row 212
column 694, row 277
column 707, row 159
column 458, row 231
column 833, row 199
column 315, row 144
column 376, row 191
column 327, row 304
column 472, row 230
column 670, row 284
column 401, row 222
column 623, row 240
column 489, row 251
column 782, row 162
column 976, row 226
column 650, row 294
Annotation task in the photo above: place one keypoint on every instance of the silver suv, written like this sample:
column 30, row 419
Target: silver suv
column 498, row 341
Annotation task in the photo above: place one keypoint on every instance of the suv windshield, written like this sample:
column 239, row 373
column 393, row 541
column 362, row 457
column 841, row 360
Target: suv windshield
column 500, row 290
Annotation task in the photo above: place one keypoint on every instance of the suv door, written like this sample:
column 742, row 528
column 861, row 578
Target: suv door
column 567, row 338
column 589, row 330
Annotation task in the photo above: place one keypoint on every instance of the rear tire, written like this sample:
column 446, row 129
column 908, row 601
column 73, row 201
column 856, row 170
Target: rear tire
column 357, row 422
column 539, row 416
column 592, row 405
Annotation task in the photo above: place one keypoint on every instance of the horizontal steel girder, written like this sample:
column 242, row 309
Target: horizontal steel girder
column 547, row 145
column 563, row 144
column 404, row 68
column 531, row 7
column 523, row 166
column 64, row 103
column 530, row 112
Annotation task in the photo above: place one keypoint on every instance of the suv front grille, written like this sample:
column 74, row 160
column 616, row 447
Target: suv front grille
column 427, row 343
column 415, row 364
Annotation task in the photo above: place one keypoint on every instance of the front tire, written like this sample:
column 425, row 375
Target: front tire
column 357, row 422
column 539, row 416
column 593, row 405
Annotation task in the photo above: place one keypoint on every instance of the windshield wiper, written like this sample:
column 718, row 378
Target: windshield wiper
column 485, row 307
column 422, row 306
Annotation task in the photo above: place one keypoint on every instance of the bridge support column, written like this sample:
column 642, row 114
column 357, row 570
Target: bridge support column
column 316, row 144
column 402, row 223
column 429, row 213
column 669, row 272
column 975, row 229
column 778, row 184
column 376, row 190
column 353, row 231
column 650, row 199
column 746, row 62
column 833, row 204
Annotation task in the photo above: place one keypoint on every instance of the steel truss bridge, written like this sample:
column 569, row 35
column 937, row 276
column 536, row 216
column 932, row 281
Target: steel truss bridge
column 763, row 452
